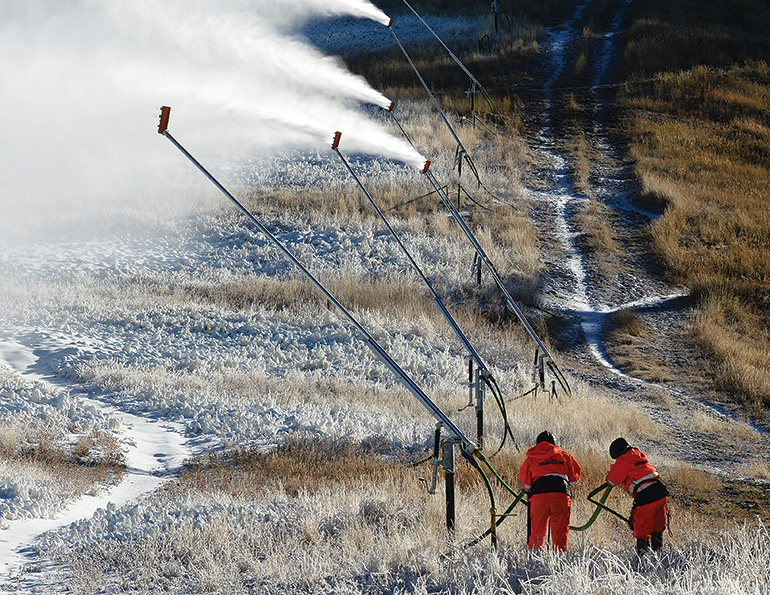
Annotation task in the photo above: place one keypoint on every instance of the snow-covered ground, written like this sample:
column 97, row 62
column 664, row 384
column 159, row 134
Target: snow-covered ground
column 92, row 346
column 30, row 506
column 102, row 335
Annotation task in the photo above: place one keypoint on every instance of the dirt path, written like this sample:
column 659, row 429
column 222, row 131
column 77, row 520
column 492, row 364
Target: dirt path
column 585, row 285
column 155, row 452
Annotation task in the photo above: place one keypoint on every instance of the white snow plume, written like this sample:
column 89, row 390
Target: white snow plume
column 304, row 9
column 82, row 83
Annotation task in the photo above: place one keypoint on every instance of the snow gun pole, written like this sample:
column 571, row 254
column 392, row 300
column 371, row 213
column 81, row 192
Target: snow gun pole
column 490, row 267
column 477, row 381
column 473, row 79
column 427, row 90
column 468, row 446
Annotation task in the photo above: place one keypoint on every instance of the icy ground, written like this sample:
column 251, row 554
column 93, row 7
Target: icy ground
column 80, row 316
column 578, row 284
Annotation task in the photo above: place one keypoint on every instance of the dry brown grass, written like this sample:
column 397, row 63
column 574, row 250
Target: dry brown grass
column 631, row 348
column 35, row 450
column 41, row 443
column 692, row 487
column 703, row 153
column 700, row 89
column 302, row 463
column 592, row 215
column 627, row 323
column 722, row 429
column 592, row 218
column 581, row 160
column 740, row 348
column 757, row 468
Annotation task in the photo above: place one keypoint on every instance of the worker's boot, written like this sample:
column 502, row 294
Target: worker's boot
column 642, row 545
column 656, row 540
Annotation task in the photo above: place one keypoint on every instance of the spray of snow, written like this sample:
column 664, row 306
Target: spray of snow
column 82, row 83
column 292, row 11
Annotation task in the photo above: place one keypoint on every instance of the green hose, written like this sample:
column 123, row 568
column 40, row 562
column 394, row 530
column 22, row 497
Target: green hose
column 474, row 463
column 599, row 506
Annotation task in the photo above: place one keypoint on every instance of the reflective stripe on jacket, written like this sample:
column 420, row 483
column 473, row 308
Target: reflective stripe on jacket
column 544, row 459
column 633, row 470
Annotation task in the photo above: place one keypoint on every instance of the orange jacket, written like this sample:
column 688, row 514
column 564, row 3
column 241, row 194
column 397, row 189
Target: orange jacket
column 546, row 459
column 633, row 470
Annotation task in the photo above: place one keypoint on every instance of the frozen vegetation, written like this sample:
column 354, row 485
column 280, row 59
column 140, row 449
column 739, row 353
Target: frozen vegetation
column 114, row 321
column 181, row 412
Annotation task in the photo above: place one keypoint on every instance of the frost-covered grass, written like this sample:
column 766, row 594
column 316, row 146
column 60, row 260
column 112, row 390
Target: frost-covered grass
column 321, row 516
column 299, row 486
column 53, row 448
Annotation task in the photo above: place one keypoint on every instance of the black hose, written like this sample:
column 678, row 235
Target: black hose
column 494, row 387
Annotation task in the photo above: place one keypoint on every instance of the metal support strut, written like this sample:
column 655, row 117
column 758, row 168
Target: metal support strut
column 449, row 478
column 444, row 456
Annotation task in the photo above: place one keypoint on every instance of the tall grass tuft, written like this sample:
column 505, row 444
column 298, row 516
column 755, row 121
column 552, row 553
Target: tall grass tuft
column 699, row 105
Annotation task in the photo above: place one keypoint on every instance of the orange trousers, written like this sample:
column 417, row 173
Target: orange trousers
column 649, row 518
column 550, row 508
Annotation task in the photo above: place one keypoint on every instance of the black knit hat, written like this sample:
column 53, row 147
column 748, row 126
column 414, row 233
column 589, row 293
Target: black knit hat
column 545, row 437
column 618, row 447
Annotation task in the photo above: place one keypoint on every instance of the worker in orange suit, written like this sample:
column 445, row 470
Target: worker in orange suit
column 648, row 515
column 547, row 475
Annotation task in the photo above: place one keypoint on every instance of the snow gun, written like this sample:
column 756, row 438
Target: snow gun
column 543, row 358
column 479, row 378
column 468, row 449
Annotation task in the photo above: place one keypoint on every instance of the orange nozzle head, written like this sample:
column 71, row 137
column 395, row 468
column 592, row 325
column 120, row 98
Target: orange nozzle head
column 427, row 165
column 390, row 23
column 336, row 142
column 392, row 106
column 165, row 113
